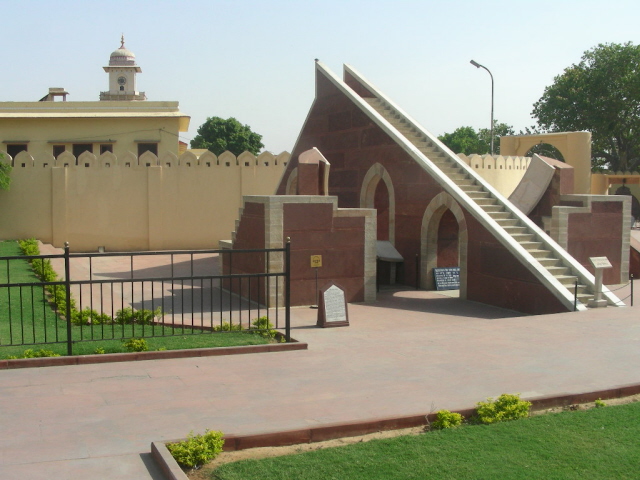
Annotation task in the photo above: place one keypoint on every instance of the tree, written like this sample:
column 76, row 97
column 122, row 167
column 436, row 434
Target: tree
column 601, row 94
column 219, row 135
column 5, row 170
column 462, row 140
column 466, row 140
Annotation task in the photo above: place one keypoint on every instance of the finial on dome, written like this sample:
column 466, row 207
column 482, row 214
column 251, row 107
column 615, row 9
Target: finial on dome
column 122, row 41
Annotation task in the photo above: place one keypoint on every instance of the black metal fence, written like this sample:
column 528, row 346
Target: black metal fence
column 118, row 296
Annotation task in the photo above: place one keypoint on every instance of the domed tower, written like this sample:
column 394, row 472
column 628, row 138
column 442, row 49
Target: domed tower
column 122, row 71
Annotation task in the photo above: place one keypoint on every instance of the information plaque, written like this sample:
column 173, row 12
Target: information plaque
column 447, row 278
column 332, row 308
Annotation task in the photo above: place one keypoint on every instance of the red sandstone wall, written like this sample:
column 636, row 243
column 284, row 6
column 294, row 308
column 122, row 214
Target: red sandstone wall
column 315, row 231
column 496, row 277
column 598, row 234
column 352, row 144
column 249, row 235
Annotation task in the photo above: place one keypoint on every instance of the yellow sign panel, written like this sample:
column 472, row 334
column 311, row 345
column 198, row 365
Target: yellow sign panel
column 316, row 261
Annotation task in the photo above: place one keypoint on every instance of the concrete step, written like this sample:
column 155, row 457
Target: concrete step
column 558, row 270
column 507, row 222
column 548, row 261
column 539, row 253
column 568, row 281
column 500, row 215
column 485, row 202
column 493, row 209
column 529, row 246
column 514, row 229
column 523, row 237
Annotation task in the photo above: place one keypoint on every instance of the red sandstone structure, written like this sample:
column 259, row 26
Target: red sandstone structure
column 373, row 192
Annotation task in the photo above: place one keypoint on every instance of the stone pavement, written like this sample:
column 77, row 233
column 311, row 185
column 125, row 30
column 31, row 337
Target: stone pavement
column 410, row 353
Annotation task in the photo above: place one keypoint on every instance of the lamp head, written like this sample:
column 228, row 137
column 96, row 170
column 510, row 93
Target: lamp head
column 474, row 63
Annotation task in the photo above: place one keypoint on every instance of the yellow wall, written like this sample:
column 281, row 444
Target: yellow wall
column 503, row 173
column 574, row 146
column 43, row 124
column 184, row 202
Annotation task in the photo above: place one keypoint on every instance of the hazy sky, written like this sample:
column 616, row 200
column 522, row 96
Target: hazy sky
column 254, row 60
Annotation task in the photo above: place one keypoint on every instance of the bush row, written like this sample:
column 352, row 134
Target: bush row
column 45, row 272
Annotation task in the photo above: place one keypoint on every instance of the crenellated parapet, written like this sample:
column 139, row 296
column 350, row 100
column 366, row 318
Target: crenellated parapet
column 188, row 159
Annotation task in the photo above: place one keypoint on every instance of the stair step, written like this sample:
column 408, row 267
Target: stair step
column 548, row 261
column 567, row 280
column 493, row 208
column 497, row 216
column 523, row 237
column 514, row 230
column 458, row 177
column 485, row 202
column 537, row 253
column 507, row 222
column 529, row 246
column 558, row 270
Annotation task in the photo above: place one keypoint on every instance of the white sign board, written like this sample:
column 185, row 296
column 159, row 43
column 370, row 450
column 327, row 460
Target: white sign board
column 334, row 304
column 600, row 262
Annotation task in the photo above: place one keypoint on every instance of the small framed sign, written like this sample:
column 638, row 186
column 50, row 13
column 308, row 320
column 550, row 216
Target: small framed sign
column 332, row 307
column 316, row 261
column 447, row 278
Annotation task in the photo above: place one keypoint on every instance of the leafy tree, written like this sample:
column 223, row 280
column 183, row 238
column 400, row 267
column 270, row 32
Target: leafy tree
column 462, row 140
column 219, row 135
column 499, row 130
column 601, row 94
column 5, row 170
column 466, row 140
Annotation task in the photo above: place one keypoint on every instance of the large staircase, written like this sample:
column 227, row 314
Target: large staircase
column 477, row 193
column 551, row 264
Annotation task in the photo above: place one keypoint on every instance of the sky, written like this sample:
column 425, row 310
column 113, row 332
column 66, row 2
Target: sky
column 254, row 60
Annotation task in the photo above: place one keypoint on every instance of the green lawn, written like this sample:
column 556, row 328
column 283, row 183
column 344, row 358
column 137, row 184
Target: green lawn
column 601, row 443
column 31, row 321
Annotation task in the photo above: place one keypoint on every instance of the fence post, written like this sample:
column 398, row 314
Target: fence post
column 287, row 291
column 575, row 297
column 631, row 289
column 67, row 287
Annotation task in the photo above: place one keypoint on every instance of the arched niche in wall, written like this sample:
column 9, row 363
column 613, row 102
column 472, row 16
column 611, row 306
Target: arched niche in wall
column 292, row 183
column 436, row 234
column 375, row 194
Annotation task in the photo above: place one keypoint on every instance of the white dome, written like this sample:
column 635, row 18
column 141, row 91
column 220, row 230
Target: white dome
column 122, row 56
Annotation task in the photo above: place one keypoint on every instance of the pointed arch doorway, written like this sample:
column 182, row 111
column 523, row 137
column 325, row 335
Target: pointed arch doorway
column 443, row 241
column 377, row 192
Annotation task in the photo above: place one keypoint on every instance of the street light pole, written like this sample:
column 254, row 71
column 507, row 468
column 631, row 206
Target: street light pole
column 477, row 65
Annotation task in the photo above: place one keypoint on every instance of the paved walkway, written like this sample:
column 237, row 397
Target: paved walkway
column 409, row 353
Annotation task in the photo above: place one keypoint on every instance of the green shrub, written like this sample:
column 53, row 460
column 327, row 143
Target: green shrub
column 197, row 450
column 505, row 407
column 227, row 327
column 446, row 419
column 129, row 316
column 263, row 327
column 599, row 403
column 136, row 345
column 99, row 351
column 30, row 353
column 29, row 246
column 89, row 317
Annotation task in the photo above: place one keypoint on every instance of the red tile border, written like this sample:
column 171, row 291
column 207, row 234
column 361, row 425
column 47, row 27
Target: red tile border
column 156, row 355
column 350, row 429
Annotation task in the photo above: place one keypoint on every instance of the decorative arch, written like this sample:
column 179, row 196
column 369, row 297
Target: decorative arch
column 429, row 240
column 575, row 147
column 376, row 173
column 292, row 183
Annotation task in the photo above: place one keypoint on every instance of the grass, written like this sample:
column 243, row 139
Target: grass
column 31, row 322
column 600, row 443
